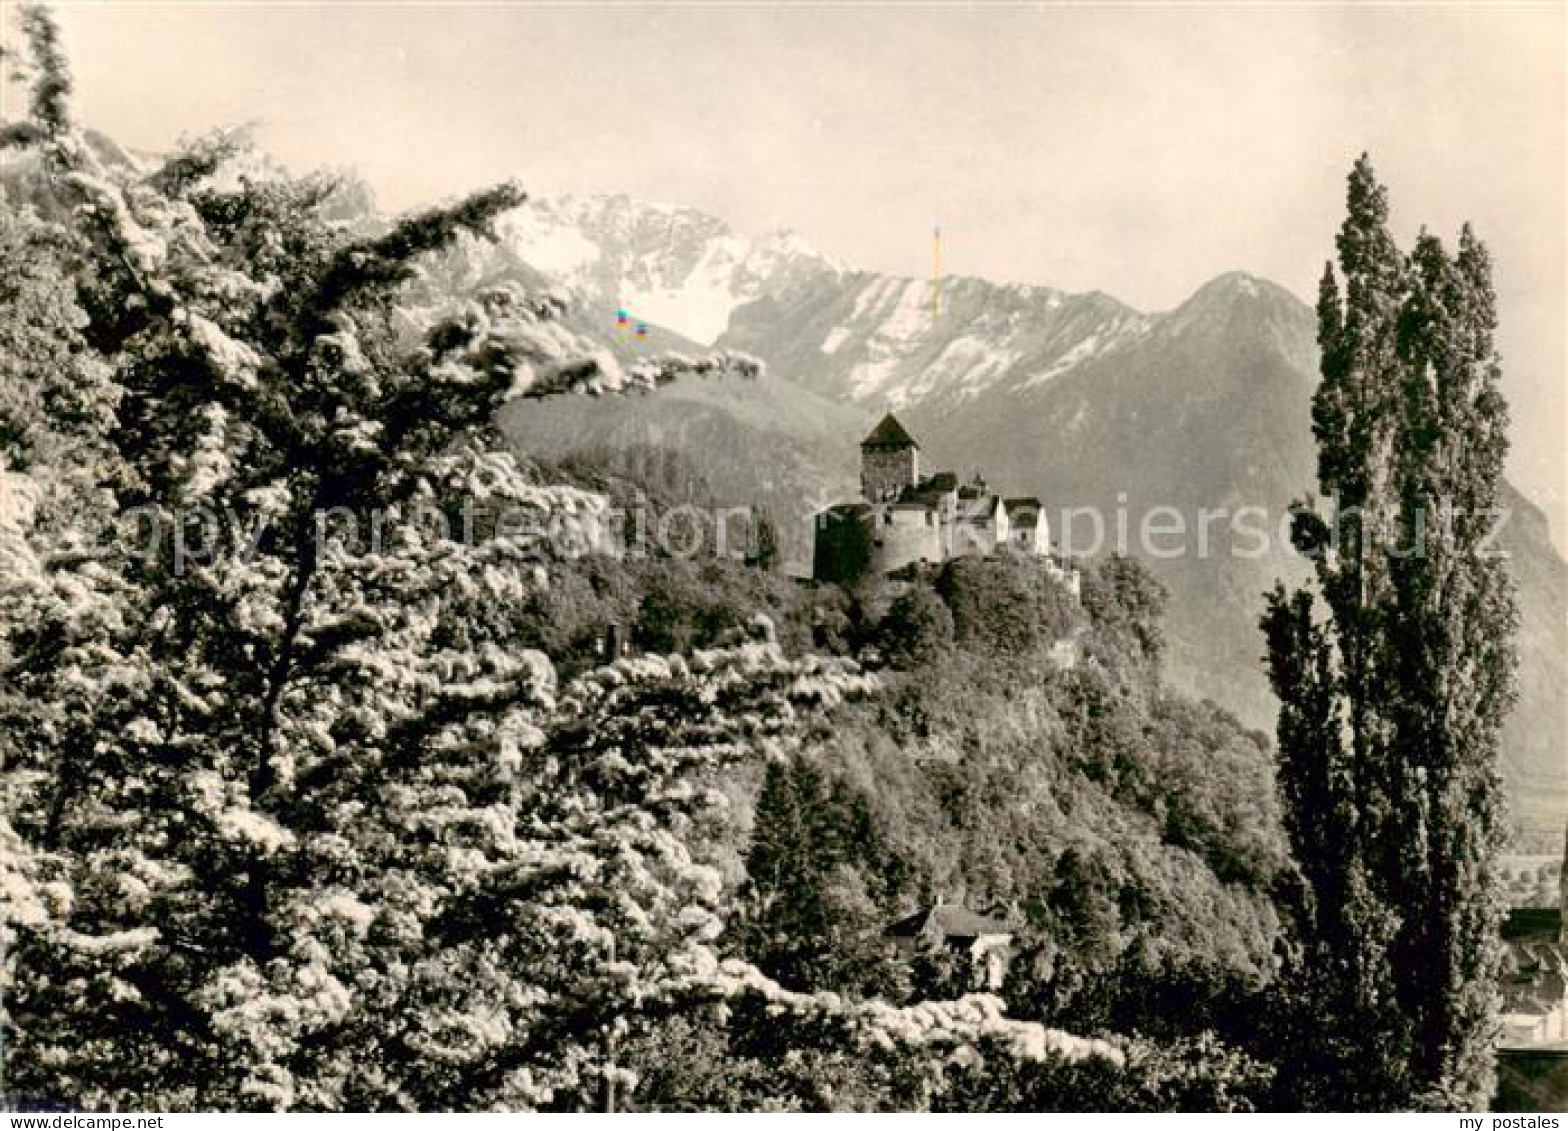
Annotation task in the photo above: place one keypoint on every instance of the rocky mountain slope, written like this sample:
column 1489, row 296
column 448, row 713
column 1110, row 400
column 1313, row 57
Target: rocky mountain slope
column 674, row 268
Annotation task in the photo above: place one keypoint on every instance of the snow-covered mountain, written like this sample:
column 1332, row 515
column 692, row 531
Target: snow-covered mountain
column 875, row 340
column 889, row 342
column 872, row 339
column 667, row 266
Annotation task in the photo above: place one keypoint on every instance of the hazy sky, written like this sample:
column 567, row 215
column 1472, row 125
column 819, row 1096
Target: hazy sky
column 1136, row 150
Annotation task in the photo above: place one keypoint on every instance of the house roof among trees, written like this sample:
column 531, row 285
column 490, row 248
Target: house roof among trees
column 948, row 921
column 889, row 434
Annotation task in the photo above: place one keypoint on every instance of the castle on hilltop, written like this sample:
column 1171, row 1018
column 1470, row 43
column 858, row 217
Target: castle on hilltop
column 903, row 519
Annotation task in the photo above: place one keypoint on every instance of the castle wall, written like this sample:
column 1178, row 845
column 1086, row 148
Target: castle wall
column 977, row 532
column 1032, row 538
column 902, row 536
column 842, row 549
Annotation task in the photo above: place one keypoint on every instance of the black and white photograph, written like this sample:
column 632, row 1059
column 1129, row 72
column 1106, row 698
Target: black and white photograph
column 767, row 556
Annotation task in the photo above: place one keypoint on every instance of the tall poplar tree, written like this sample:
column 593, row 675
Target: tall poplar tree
column 1391, row 704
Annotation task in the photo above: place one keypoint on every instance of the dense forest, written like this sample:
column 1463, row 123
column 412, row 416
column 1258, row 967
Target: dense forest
column 301, row 817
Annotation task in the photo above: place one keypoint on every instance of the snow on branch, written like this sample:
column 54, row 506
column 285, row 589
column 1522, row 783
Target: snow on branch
column 371, row 267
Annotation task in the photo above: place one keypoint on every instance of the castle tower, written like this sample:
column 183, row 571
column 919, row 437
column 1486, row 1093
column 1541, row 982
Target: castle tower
column 889, row 461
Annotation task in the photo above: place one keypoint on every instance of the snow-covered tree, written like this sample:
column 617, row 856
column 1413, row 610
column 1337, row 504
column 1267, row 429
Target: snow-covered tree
column 293, row 821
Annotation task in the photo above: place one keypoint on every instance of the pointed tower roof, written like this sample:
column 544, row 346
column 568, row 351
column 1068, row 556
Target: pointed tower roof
column 889, row 434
